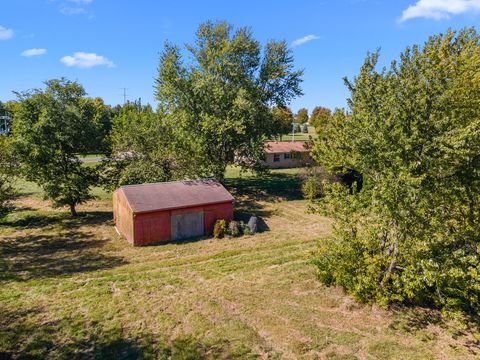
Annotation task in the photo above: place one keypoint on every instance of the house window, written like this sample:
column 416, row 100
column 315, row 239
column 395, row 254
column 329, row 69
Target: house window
column 276, row 157
column 288, row 156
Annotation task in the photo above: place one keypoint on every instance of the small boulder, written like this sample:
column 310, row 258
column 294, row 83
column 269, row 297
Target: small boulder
column 252, row 225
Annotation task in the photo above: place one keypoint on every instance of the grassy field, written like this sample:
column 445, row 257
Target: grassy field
column 299, row 136
column 73, row 288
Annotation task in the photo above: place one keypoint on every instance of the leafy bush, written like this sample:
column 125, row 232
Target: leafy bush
column 219, row 229
column 233, row 229
column 311, row 189
column 244, row 228
column 312, row 182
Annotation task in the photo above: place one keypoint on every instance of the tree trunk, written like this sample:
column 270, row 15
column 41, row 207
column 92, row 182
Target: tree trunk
column 392, row 251
column 383, row 243
column 220, row 178
column 219, row 174
column 73, row 211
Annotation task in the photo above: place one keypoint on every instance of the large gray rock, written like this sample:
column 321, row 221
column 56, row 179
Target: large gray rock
column 252, row 225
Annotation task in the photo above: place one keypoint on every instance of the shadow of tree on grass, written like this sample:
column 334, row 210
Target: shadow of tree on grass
column 269, row 187
column 64, row 250
column 252, row 192
column 415, row 320
column 23, row 337
column 39, row 219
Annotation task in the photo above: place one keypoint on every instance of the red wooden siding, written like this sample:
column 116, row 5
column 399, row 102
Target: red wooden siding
column 216, row 212
column 152, row 227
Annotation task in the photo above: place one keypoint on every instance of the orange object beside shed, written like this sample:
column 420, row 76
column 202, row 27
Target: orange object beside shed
column 151, row 213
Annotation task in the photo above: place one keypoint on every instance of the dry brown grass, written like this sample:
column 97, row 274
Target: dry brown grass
column 76, row 289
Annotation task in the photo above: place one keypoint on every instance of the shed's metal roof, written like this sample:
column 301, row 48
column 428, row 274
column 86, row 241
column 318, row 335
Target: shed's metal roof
column 174, row 195
column 274, row 147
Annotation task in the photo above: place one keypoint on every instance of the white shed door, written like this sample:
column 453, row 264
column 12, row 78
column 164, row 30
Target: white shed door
column 187, row 225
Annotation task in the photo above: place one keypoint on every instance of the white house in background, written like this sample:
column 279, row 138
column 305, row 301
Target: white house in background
column 287, row 154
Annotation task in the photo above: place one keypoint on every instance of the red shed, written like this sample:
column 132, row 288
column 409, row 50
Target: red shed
column 151, row 213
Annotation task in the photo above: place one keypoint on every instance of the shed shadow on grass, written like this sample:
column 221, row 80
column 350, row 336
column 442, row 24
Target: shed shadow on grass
column 64, row 250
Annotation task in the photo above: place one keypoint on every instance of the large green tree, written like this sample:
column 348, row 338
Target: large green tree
column 144, row 149
column 320, row 117
column 221, row 94
column 413, row 131
column 302, row 116
column 284, row 119
column 51, row 129
column 101, row 115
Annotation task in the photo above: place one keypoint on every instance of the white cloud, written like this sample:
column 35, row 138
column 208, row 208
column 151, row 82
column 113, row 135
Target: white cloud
column 86, row 60
column 5, row 33
column 33, row 52
column 439, row 9
column 304, row 40
column 77, row 7
column 73, row 11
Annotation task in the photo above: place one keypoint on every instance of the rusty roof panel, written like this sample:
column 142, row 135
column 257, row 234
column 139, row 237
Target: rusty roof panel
column 174, row 195
column 285, row 146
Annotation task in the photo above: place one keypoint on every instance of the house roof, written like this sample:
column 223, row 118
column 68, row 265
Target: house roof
column 174, row 195
column 274, row 147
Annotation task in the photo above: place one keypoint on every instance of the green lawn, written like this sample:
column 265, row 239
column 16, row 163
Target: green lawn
column 299, row 136
column 74, row 289
column 91, row 156
column 30, row 189
column 233, row 176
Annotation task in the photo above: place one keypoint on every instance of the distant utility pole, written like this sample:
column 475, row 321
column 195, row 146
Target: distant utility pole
column 293, row 131
column 125, row 95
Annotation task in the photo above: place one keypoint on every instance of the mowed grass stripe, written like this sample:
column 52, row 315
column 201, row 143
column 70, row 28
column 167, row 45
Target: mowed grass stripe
column 249, row 260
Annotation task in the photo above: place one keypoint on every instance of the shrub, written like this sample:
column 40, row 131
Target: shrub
column 311, row 188
column 233, row 229
column 244, row 228
column 312, row 182
column 219, row 229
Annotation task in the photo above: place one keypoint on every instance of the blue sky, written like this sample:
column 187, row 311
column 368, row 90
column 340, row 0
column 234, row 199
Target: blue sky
column 110, row 44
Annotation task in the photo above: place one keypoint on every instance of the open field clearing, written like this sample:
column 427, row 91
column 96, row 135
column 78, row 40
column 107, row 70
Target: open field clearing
column 299, row 136
column 73, row 288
